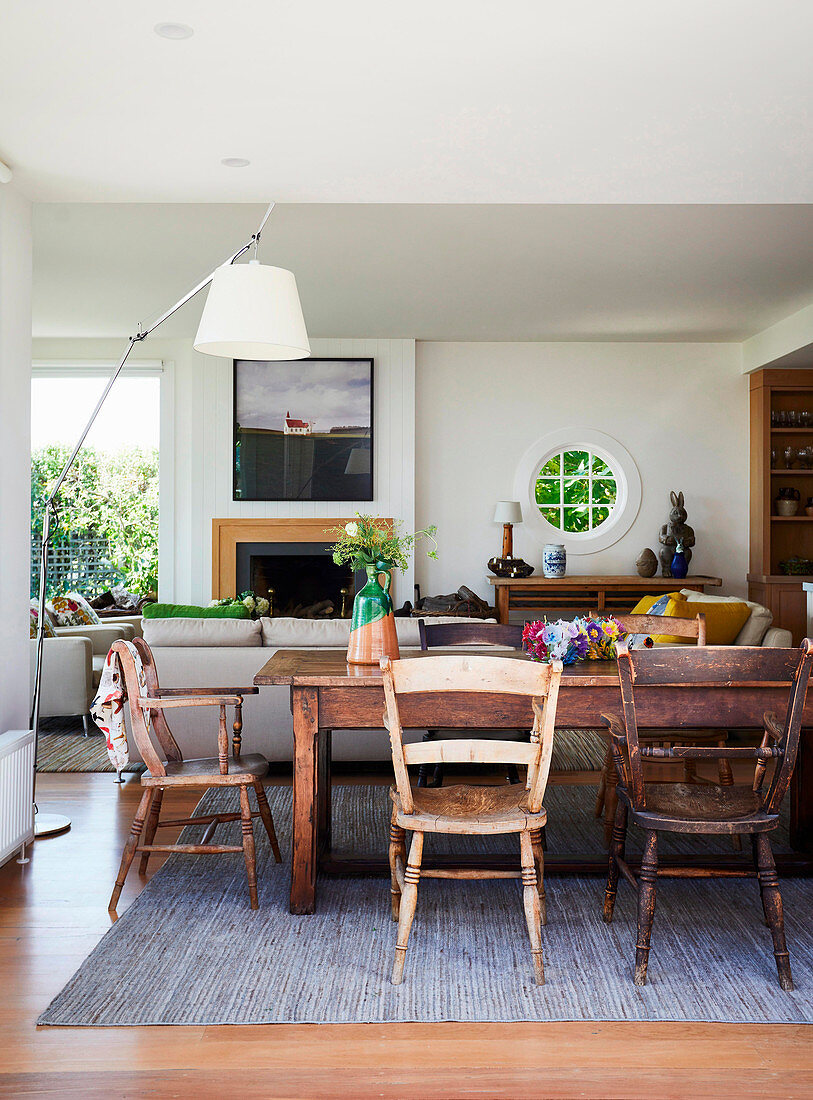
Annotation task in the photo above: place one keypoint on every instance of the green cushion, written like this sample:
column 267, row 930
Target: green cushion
column 189, row 611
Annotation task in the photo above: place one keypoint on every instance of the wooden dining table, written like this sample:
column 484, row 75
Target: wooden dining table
column 328, row 695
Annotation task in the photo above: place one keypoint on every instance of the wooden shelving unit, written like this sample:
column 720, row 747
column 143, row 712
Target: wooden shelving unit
column 776, row 538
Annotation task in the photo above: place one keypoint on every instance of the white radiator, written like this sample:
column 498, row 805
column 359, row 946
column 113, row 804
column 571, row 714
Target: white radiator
column 16, row 779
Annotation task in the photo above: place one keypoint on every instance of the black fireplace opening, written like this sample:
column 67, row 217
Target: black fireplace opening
column 299, row 579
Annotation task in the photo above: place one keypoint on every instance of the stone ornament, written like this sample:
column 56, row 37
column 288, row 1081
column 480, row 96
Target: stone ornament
column 675, row 531
column 646, row 563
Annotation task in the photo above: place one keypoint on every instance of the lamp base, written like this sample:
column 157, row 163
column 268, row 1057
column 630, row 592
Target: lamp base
column 50, row 824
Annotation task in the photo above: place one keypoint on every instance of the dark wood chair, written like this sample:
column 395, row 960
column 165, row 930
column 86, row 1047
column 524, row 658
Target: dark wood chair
column 712, row 810
column 606, row 798
column 168, row 770
column 468, row 809
column 437, row 635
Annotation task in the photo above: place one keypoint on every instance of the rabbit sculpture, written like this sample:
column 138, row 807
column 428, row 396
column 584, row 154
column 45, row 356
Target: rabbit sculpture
column 675, row 531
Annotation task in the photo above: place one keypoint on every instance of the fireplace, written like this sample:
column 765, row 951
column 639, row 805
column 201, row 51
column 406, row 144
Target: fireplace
column 299, row 579
column 290, row 556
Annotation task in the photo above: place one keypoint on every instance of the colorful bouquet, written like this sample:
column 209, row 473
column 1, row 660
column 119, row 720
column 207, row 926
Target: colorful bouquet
column 577, row 640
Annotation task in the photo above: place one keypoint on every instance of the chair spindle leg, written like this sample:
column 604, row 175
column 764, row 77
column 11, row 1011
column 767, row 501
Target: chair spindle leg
column 152, row 825
column 772, row 905
column 646, row 904
column 248, row 846
column 539, row 860
column 130, row 847
column 267, row 819
column 617, row 845
column 409, row 899
column 397, row 851
column 531, row 903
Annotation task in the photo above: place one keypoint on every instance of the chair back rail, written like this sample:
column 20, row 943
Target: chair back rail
column 138, row 725
column 665, row 625
column 433, row 635
column 716, row 665
column 475, row 673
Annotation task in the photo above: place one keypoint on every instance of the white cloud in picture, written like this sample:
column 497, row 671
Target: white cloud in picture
column 328, row 393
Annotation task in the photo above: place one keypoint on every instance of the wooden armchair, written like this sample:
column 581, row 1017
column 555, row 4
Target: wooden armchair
column 681, row 808
column 168, row 770
column 468, row 809
column 606, row 797
column 437, row 635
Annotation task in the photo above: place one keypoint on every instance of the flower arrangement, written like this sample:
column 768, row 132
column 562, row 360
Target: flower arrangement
column 365, row 542
column 568, row 641
column 257, row 605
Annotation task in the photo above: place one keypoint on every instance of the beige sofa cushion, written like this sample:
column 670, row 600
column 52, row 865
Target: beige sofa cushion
column 202, row 632
column 283, row 633
column 756, row 625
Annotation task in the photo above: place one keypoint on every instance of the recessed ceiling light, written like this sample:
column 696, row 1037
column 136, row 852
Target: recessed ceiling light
column 173, row 30
column 235, row 162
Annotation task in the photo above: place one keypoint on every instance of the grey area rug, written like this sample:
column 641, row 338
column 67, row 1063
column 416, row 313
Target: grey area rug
column 63, row 747
column 190, row 951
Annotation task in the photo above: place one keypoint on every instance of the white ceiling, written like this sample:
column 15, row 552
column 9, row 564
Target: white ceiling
column 430, row 101
column 439, row 272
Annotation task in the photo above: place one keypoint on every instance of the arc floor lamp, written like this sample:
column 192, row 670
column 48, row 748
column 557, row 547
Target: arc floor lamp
column 252, row 312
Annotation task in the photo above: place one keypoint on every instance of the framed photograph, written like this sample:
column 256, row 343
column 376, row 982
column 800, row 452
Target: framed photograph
column 303, row 429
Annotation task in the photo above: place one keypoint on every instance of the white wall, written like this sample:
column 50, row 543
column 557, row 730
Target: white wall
column 15, row 397
column 680, row 409
column 199, row 449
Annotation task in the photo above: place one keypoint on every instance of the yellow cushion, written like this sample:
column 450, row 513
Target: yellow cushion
column 676, row 605
column 724, row 621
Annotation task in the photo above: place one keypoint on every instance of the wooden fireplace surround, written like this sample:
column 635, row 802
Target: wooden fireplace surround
column 227, row 533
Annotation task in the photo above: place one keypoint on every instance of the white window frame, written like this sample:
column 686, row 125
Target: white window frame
column 610, row 451
column 139, row 368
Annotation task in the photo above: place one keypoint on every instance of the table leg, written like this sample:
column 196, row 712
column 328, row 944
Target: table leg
column 305, row 707
column 801, row 795
column 502, row 602
column 324, row 815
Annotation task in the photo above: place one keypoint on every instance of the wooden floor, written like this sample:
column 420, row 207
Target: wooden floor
column 53, row 910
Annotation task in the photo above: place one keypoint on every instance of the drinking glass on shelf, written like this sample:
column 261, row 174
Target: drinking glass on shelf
column 773, row 458
column 806, row 418
column 793, row 418
column 789, row 454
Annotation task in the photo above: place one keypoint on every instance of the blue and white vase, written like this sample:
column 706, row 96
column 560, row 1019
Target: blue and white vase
column 554, row 559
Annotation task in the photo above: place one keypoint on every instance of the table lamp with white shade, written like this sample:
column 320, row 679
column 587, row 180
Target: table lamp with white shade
column 509, row 512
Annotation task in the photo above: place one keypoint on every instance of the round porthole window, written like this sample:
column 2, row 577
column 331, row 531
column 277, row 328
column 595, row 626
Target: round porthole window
column 580, row 488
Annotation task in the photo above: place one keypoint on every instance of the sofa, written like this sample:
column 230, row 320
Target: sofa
column 72, row 663
column 229, row 652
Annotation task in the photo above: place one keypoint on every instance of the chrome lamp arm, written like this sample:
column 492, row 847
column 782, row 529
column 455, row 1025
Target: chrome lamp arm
column 51, row 502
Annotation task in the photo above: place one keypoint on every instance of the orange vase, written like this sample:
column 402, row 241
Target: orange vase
column 372, row 631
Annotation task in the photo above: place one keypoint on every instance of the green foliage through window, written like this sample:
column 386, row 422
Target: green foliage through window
column 576, row 491
column 106, row 496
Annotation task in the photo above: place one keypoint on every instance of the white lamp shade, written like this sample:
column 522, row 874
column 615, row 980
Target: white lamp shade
column 253, row 312
column 508, row 511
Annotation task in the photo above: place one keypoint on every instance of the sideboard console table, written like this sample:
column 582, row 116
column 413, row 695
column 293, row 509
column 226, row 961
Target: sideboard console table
column 559, row 596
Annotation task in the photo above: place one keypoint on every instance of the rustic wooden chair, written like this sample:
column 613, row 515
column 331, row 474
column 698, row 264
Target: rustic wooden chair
column 168, row 770
column 681, row 808
column 606, row 798
column 467, row 809
column 437, row 635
